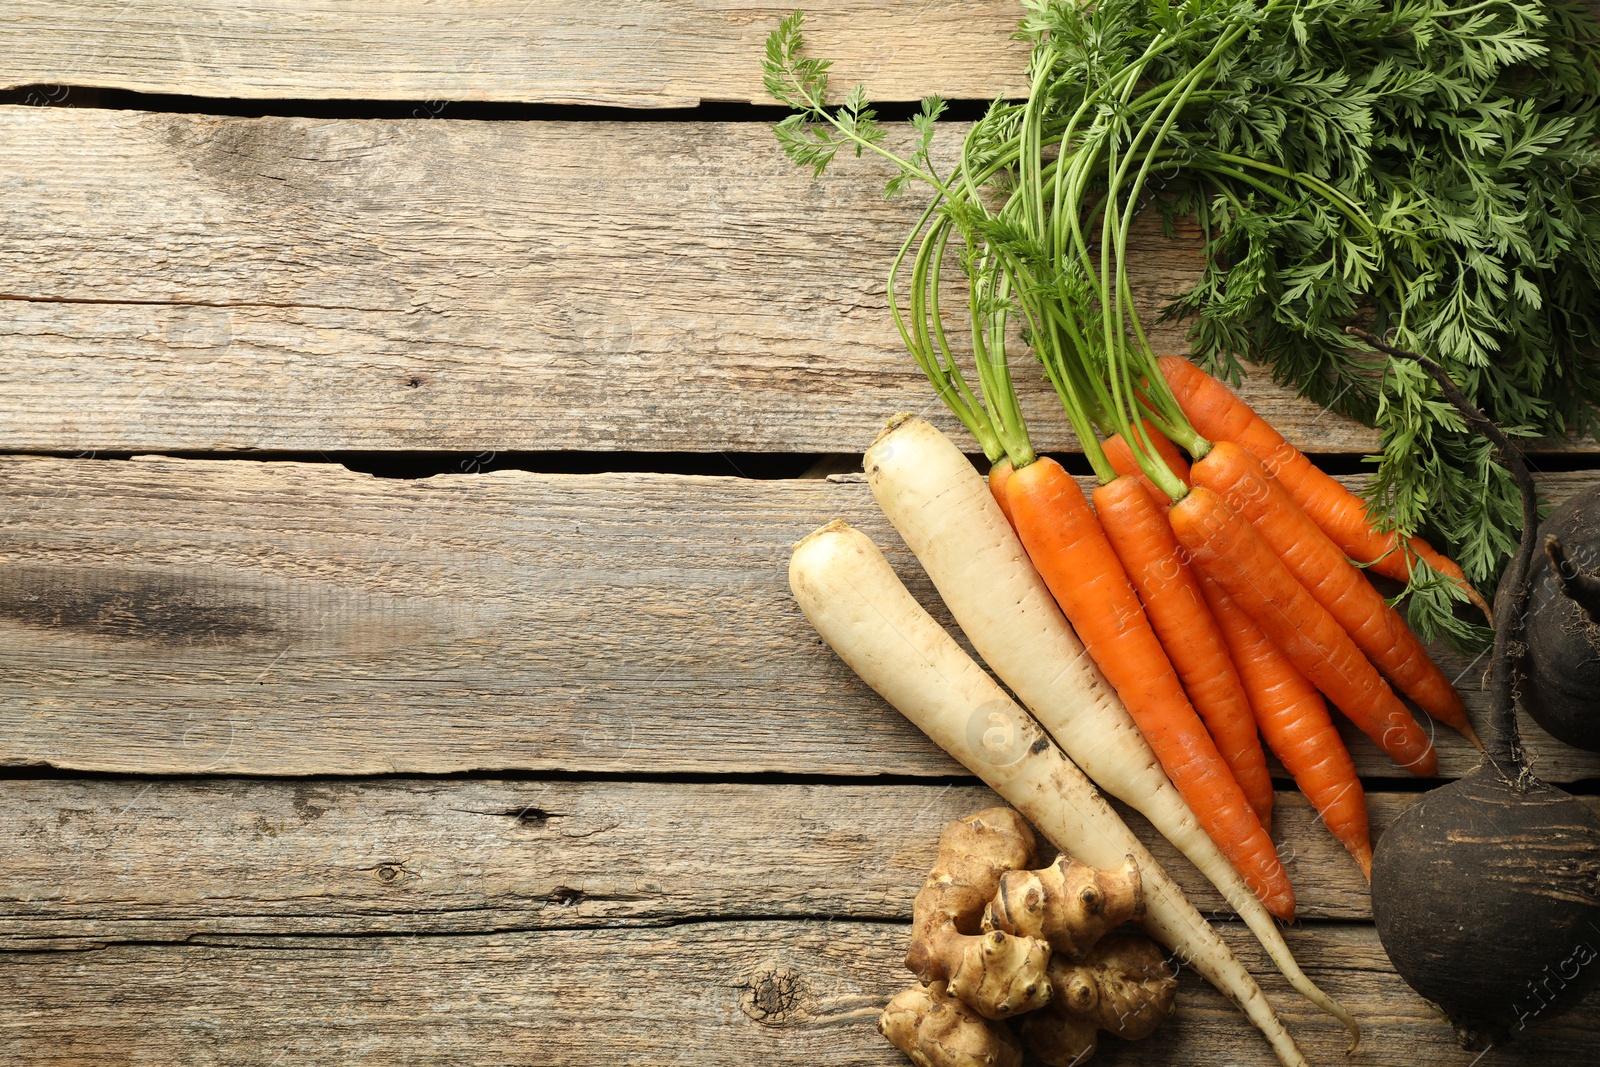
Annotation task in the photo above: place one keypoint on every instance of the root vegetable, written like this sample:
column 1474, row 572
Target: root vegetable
column 1068, row 544
column 1125, row 986
column 996, row 973
column 1563, row 686
column 1120, row 456
column 1320, row 565
column 1486, row 892
column 935, row 1029
column 852, row 596
column 1230, row 551
column 1139, row 531
column 1069, row 904
column 1221, row 416
column 1295, row 722
column 999, row 475
column 1060, row 1040
column 944, row 511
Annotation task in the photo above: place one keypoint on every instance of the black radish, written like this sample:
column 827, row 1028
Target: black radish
column 1486, row 892
column 1563, row 686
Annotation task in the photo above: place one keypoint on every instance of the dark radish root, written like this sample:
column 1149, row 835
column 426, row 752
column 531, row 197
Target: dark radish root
column 1486, row 892
column 1577, row 585
column 1563, row 688
column 1483, row 893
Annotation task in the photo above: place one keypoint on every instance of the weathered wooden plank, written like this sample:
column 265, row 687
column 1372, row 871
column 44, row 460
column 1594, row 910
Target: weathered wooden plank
column 653, row 53
column 178, row 282
column 185, row 616
column 735, row 993
column 126, row 859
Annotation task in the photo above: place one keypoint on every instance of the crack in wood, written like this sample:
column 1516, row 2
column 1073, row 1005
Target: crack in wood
column 133, row 302
column 300, row 940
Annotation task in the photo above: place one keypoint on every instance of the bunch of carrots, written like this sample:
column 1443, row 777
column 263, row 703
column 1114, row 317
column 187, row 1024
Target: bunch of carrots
column 1222, row 594
column 1223, row 605
column 1216, row 581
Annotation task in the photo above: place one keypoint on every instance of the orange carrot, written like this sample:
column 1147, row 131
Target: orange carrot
column 1228, row 549
column 1121, row 459
column 999, row 475
column 1216, row 413
column 1071, row 552
column 1320, row 566
column 1294, row 720
column 1143, row 541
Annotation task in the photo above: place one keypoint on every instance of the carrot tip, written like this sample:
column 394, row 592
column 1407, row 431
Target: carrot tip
column 1470, row 734
column 1281, row 905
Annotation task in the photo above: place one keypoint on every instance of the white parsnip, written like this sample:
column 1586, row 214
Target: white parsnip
column 852, row 596
column 944, row 511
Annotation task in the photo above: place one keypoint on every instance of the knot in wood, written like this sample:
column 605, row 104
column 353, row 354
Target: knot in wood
column 566, row 896
column 771, row 995
column 389, row 873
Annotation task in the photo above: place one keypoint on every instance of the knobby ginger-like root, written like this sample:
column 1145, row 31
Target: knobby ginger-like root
column 1069, row 904
column 935, row 1029
column 997, row 974
column 1122, row 986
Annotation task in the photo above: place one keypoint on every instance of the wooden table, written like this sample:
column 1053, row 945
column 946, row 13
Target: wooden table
column 510, row 764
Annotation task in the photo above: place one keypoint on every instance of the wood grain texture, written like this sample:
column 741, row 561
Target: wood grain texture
column 652, row 53
column 734, row 993
column 99, row 861
column 179, row 282
column 186, row 616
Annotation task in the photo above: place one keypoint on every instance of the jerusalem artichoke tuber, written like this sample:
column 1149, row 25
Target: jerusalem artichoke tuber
column 1069, row 904
column 936, row 1030
column 996, row 973
column 1046, row 943
column 1123, row 986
